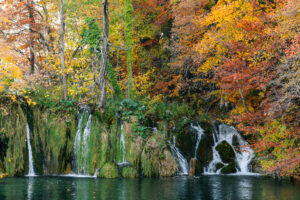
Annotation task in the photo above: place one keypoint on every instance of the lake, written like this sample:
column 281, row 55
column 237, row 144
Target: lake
column 205, row 187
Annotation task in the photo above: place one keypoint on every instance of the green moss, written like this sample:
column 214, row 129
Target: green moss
column 205, row 153
column 150, row 158
column 97, row 144
column 156, row 160
column 228, row 169
column 199, row 168
column 109, row 170
column 163, row 127
column 53, row 141
column 13, row 126
column 130, row 172
column 225, row 151
column 113, row 138
column 168, row 165
column 134, row 144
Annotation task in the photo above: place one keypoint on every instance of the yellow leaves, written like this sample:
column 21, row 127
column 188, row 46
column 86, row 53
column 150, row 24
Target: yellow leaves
column 9, row 70
column 142, row 82
column 13, row 98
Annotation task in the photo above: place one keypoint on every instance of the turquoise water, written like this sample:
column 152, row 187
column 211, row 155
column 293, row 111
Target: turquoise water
column 203, row 187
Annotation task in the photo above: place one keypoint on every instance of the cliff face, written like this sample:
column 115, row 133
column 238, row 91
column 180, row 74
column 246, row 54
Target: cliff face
column 114, row 145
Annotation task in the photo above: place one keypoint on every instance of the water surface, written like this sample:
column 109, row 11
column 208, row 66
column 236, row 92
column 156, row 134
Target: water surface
column 204, row 187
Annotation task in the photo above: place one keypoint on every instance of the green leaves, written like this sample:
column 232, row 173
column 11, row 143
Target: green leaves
column 90, row 34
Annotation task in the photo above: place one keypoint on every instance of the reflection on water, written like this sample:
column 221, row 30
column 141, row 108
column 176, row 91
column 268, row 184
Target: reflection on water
column 209, row 187
column 30, row 187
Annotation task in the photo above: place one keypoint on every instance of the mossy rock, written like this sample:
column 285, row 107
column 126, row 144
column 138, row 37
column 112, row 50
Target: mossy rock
column 98, row 145
column 134, row 144
column 199, row 169
column 185, row 141
column 228, row 169
column 162, row 127
column 218, row 166
column 109, row 170
column 205, row 151
column 130, row 172
column 13, row 127
column 168, row 165
column 226, row 152
column 150, row 157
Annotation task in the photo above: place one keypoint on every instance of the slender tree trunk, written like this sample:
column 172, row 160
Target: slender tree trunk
column 62, row 48
column 243, row 100
column 31, row 52
column 104, row 55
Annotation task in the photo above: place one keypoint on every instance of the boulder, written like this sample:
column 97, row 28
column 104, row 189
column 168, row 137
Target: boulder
column 218, row 166
column 228, row 169
column 109, row 170
column 205, row 152
column 226, row 152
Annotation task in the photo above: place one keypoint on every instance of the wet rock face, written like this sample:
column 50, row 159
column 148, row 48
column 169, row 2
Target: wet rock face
column 186, row 143
column 129, row 172
column 219, row 166
column 156, row 160
column 205, row 153
column 226, row 152
column 230, row 168
column 109, row 170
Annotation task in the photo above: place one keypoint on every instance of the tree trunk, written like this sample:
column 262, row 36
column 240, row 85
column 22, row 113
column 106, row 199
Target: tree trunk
column 104, row 55
column 243, row 100
column 62, row 48
column 31, row 52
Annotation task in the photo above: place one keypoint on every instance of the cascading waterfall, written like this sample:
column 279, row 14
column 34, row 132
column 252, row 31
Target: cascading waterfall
column 199, row 134
column 243, row 156
column 183, row 164
column 216, row 157
column 85, row 146
column 30, row 160
column 81, row 145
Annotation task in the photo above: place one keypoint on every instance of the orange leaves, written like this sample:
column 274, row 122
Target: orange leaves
column 169, row 87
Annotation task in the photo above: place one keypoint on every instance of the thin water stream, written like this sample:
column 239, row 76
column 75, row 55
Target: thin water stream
column 182, row 162
column 30, row 158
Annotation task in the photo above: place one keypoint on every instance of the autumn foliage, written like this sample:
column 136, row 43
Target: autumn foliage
column 208, row 54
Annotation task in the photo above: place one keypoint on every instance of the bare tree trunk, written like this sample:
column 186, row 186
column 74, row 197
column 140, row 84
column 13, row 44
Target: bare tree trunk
column 31, row 18
column 104, row 55
column 243, row 100
column 62, row 48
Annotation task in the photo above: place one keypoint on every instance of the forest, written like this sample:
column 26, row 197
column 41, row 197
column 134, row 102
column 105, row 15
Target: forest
column 150, row 69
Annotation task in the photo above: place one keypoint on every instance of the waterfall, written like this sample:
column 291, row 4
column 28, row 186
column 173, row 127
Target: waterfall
column 85, row 145
column 77, row 141
column 81, row 144
column 122, row 141
column 30, row 160
column 96, row 172
column 216, row 157
column 183, row 164
column 243, row 156
column 199, row 134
